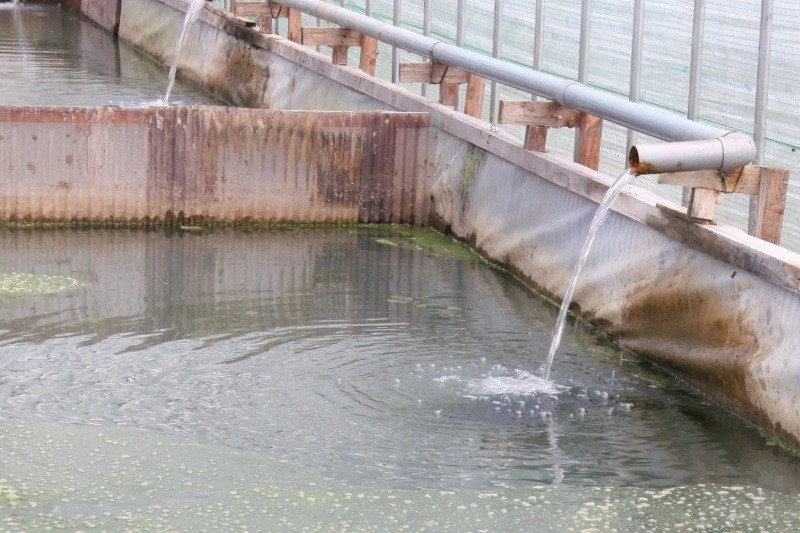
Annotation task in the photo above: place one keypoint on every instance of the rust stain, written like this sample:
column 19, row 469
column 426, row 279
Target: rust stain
column 696, row 333
column 213, row 165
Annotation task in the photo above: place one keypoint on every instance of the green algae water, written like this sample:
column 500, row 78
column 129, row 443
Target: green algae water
column 354, row 379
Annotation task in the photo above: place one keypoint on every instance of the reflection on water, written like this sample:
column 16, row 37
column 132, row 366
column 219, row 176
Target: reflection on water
column 357, row 359
column 50, row 56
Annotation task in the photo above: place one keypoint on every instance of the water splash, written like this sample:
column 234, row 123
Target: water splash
column 192, row 14
column 520, row 383
column 612, row 194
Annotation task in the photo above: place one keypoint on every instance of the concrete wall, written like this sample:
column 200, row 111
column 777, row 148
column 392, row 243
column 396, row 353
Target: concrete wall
column 203, row 164
column 105, row 13
column 710, row 302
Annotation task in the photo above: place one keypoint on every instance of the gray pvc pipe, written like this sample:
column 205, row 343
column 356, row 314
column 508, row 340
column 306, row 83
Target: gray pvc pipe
column 648, row 120
column 724, row 153
column 645, row 119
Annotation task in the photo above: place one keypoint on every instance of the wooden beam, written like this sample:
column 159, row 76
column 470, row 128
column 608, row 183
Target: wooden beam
column 273, row 10
column 544, row 114
column 745, row 180
column 434, row 73
column 771, row 205
column 701, row 179
column 591, row 133
column 330, row 37
column 369, row 54
column 473, row 104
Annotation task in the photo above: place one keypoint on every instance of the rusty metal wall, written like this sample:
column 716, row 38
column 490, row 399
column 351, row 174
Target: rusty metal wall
column 203, row 164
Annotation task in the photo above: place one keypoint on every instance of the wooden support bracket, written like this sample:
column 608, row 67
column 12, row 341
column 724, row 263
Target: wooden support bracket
column 267, row 11
column 539, row 116
column 448, row 78
column 340, row 40
column 770, row 185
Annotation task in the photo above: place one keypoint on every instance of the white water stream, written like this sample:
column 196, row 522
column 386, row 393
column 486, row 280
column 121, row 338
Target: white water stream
column 192, row 14
column 612, row 194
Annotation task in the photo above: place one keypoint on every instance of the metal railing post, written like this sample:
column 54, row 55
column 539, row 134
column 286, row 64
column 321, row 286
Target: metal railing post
column 698, row 29
column 461, row 27
column 636, row 65
column 368, row 8
column 583, row 56
column 395, row 54
column 426, row 31
column 762, row 96
column 538, row 36
column 497, row 37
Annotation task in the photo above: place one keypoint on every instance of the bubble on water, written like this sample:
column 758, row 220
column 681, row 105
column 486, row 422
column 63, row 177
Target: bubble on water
column 581, row 412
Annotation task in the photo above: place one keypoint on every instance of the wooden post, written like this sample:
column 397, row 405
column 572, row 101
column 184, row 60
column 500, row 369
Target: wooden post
column 473, row 105
column 369, row 54
column 448, row 94
column 591, row 133
column 339, row 55
column 535, row 138
column 702, row 204
column 295, row 26
column 770, row 205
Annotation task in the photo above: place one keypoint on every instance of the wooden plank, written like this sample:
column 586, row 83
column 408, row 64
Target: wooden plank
column 260, row 9
column 748, row 180
column 369, row 54
column 295, row 30
column 702, row 204
column 330, row 37
column 701, row 179
column 591, row 133
column 535, row 138
column 473, row 104
column 771, row 205
column 545, row 114
column 434, row 73
column 741, row 180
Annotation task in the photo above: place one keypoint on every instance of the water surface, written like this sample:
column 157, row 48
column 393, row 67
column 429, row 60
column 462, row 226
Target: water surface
column 52, row 56
column 362, row 378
